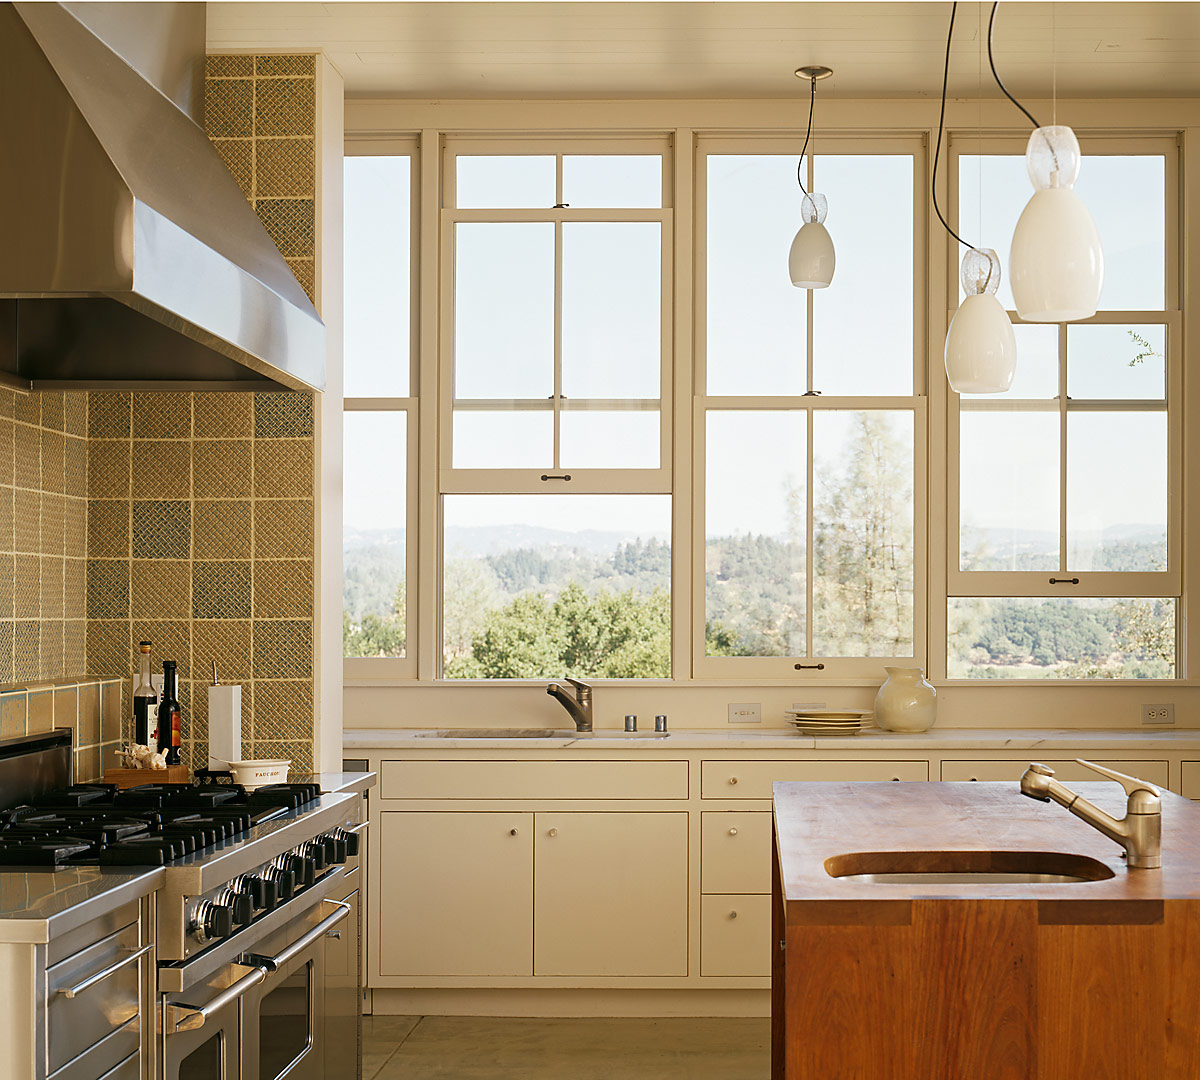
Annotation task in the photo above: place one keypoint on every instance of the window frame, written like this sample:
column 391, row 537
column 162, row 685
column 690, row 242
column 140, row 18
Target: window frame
column 803, row 670
column 993, row 584
column 510, row 481
column 368, row 669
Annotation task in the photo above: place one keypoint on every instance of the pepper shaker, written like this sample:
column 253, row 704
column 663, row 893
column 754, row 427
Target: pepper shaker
column 631, row 722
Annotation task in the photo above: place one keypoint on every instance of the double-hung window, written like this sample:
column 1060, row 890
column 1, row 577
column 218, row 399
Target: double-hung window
column 1065, row 492
column 379, row 422
column 810, row 414
column 555, row 408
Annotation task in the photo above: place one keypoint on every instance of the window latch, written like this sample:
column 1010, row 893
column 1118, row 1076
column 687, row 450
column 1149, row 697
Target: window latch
column 810, row 667
column 811, row 393
column 556, row 476
column 562, row 206
column 1064, row 581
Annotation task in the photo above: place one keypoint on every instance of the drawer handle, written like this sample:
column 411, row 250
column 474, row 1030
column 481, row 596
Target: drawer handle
column 733, row 914
column 512, row 832
column 271, row 964
column 895, row 779
column 74, row 991
column 552, row 832
column 356, row 828
column 733, row 779
column 733, row 832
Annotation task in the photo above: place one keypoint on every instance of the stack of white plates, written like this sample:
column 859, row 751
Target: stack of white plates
column 829, row 721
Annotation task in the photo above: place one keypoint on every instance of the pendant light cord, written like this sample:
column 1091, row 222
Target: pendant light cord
column 812, row 101
column 992, row 63
column 941, row 127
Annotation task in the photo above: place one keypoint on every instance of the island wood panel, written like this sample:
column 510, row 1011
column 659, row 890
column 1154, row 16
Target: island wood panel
column 1183, row 951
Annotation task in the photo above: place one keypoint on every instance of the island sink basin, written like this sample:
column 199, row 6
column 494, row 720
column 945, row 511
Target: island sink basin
column 966, row 868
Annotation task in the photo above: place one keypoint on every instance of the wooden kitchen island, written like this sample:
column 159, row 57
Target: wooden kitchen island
column 1086, row 980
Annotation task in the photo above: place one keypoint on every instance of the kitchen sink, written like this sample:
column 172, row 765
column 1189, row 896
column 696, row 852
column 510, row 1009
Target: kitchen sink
column 537, row 733
column 966, row 868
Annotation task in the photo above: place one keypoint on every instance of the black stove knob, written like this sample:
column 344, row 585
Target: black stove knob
column 263, row 891
column 212, row 921
column 315, row 850
column 335, row 848
column 304, row 868
column 283, row 880
column 242, row 907
column 349, row 839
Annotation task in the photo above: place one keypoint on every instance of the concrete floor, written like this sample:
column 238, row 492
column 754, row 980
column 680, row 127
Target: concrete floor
column 499, row 1048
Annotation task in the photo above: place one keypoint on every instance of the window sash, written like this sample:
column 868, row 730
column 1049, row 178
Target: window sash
column 547, row 479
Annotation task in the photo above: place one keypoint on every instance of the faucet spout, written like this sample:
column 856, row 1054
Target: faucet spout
column 1139, row 832
column 578, row 706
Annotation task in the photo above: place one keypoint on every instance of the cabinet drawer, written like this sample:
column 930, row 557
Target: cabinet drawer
column 753, row 779
column 76, row 1023
column 528, row 780
column 735, row 935
column 735, row 851
column 1153, row 771
column 1189, row 781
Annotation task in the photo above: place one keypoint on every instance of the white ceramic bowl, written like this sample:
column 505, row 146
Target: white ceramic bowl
column 254, row 774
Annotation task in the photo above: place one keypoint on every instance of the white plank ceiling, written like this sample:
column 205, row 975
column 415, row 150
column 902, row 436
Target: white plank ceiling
column 726, row 49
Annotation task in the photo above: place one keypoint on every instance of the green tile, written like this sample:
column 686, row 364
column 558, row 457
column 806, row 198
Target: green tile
column 108, row 588
column 221, row 590
column 282, row 415
column 162, row 529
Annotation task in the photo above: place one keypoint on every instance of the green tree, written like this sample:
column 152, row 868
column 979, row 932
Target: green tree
column 470, row 590
column 374, row 634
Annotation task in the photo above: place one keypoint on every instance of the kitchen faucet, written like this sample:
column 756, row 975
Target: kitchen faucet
column 579, row 706
column 1139, row 832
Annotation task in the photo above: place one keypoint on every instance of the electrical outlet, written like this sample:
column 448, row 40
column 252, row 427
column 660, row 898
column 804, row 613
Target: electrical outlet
column 1158, row 714
column 745, row 712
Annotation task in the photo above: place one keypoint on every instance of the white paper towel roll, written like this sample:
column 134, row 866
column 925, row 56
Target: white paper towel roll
column 224, row 726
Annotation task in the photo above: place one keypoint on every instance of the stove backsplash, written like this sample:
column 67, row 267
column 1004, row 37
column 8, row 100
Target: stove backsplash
column 183, row 518
column 90, row 707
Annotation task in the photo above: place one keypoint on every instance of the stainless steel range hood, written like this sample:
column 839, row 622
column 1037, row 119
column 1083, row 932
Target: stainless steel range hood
column 128, row 254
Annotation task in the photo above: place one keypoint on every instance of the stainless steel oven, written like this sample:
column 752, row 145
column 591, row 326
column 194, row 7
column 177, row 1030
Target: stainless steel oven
column 253, row 1007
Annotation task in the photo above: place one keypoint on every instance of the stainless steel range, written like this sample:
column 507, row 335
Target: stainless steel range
column 253, row 929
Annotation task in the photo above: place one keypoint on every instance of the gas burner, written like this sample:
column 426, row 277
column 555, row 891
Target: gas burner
column 54, row 852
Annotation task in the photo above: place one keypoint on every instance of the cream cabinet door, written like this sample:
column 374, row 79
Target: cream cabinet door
column 735, row 851
column 455, row 893
column 735, row 935
column 1154, row 772
column 611, row 894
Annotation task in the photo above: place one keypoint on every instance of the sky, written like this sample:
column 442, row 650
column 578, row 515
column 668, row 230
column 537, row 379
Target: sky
column 756, row 327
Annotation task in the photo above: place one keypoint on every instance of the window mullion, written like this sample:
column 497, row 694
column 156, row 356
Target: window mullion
column 809, row 501
column 1062, row 447
column 558, row 264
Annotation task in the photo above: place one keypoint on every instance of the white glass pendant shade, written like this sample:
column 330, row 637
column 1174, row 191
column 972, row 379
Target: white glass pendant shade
column 811, row 259
column 1056, row 263
column 981, row 350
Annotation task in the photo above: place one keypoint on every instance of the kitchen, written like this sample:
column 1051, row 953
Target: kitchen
column 456, row 190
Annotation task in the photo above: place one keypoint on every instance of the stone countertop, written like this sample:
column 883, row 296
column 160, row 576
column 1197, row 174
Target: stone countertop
column 949, row 740
column 820, row 822
column 36, row 905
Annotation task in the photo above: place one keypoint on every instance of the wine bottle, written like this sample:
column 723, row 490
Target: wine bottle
column 170, row 716
column 145, row 698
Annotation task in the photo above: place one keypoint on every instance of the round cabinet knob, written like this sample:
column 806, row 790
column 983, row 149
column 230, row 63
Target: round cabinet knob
column 512, row 832
column 733, row 832
column 552, row 832
column 733, row 779
column 733, row 914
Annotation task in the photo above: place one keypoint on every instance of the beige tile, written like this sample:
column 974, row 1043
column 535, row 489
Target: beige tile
column 224, row 65
column 298, row 753
column 158, row 415
column 283, row 590
column 27, row 591
column 160, row 589
column 291, row 224
column 53, row 540
column 281, row 107
column 75, row 589
column 283, row 468
column 108, row 528
column 238, row 155
column 53, row 575
column 162, row 530
column 7, row 443
column 108, row 469
column 163, row 468
column 26, row 651
column 282, row 710
column 111, row 712
column 66, row 715
column 51, row 649
column 221, row 590
column 27, row 456
column 224, row 415
column 28, row 408
column 27, row 522
column 54, row 458
column 108, row 588
column 382, row 1036
column 229, row 107
column 52, row 409
column 109, row 648
column 283, row 529
column 170, row 641
column 283, row 650
column 75, row 647
column 284, row 167
column 222, row 529
column 221, row 469
column 75, row 420
column 75, row 481
column 285, row 64
column 507, row 1048
column 227, row 641
column 75, row 528
column 41, row 712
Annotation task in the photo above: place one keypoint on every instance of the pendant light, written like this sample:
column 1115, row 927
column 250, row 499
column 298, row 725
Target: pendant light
column 981, row 350
column 1056, row 260
column 811, row 259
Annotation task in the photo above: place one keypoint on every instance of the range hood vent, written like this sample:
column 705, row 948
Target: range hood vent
column 129, row 255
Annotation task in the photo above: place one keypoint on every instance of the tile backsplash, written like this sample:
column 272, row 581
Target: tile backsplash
column 202, row 543
column 182, row 518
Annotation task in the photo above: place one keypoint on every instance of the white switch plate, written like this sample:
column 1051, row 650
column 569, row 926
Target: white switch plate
column 745, row 712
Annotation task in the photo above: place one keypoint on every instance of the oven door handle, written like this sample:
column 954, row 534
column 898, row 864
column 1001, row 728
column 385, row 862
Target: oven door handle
column 272, row 964
column 184, row 1017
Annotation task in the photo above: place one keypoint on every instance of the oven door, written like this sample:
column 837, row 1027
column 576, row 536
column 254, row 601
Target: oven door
column 202, row 1037
column 283, row 1017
